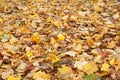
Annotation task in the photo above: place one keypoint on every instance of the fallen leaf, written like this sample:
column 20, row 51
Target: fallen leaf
column 61, row 37
column 35, row 37
column 13, row 78
column 90, row 68
column 112, row 61
column 105, row 67
column 13, row 40
column 97, row 8
column 78, row 48
column 116, row 16
column 52, row 57
column 104, row 54
column 29, row 54
column 80, row 64
column 73, row 17
column 70, row 53
column 41, row 75
column 65, row 70
column 56, row 23
column 111, row 44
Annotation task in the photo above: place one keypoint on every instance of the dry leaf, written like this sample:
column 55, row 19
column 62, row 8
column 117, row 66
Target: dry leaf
column 56, row 23
column 70, row 53
column 52, row 57
column 41, row 75
column 105, row 67
column 80, row 64
column 112, row 61
column 13, row 78
column 116, row 16
column 90, row 68
column 35, row 37
column 111, row 44
column 29, row 54
column 61, row 37
column 65, row 70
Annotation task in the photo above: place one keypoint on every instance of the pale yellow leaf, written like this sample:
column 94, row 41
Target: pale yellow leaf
column 105, row 67
column 90, row 68
column 111, row 44
column 56, row 23
column 41, row 75
column 65, row 70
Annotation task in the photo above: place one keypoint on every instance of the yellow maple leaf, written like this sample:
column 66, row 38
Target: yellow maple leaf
column 29, row 54
column 65, row 70
column 78, row 47
column 52, row 40
column 61, row 37
column 110, row 25
column 35, row 37
column 117, row 62
column 105, row 67
column 90, row 68
column 23, row 30
column 53, row 57
column 112, row 61
column 49, row 20
column 13, row 78
column 1, row 20
column 98, row 8
column 73, row 17
column 13, row 40
column 111, row 44
column 56, row 23
column 41, row 75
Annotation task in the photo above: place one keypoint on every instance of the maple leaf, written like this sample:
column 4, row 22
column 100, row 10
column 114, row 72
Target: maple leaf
column 111, row 44
column 61, row 37
column 41, row 75
column 56, row 23
column 80, row 64
column 105, row 67
column 70, row 53
column 112, row 61
column 65, row 70
column 13, row 78
column 73, row 17
column 90, row 68
column 53, row 57
column 35, row 37
column 29, row 54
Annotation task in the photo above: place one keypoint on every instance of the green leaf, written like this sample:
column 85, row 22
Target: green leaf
column 90, row 77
